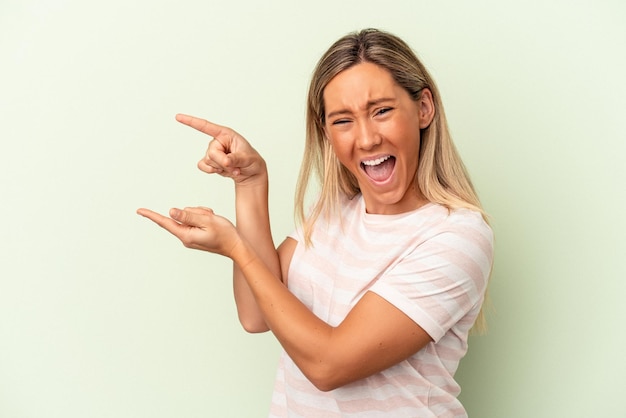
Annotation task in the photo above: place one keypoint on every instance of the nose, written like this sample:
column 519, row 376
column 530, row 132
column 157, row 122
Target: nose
column 368, row 136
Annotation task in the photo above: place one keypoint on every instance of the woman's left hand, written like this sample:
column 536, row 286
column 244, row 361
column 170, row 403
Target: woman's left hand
column 198, row 228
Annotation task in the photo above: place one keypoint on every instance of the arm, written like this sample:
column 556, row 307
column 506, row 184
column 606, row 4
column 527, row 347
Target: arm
column 230, row 155
column 374, row 336
column 254, row 226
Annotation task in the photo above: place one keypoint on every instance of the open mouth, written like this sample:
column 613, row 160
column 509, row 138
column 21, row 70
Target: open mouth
column 379, row 169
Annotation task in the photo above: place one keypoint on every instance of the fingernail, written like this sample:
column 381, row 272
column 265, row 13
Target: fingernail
column 175, row 213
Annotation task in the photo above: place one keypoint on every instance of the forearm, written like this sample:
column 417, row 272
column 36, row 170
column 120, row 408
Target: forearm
column 306, row 338
column 372, row 337
column 252, row 220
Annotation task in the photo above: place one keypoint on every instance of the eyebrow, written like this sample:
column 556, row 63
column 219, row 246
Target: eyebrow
column 370, row 104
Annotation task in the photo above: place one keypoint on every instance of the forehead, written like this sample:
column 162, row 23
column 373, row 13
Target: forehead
column 360, row 84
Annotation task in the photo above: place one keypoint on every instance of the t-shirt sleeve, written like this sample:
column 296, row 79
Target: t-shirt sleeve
column 443, row 278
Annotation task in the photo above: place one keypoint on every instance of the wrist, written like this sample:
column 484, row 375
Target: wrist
column 258, row 181
column 241, row 253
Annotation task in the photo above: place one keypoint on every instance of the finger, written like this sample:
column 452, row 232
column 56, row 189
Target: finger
column 224, row 172
column 209, row 167
column 221, row 152
column 232, row 161
column 163, row 221
column 201, row 125
column 200, row 210
column 191, row 218
column 219, row 158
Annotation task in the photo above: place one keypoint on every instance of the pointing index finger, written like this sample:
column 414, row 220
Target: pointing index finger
column 199, row 124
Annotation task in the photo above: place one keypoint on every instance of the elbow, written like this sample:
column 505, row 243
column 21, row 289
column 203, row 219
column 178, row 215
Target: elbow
column 325, row 386
column 253, row 325
column 326, row 378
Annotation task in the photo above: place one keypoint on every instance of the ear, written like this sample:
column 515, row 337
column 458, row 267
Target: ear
column 425, row 108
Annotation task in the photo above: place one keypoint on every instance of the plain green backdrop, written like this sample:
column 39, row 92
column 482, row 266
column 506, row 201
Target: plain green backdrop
column 102, row 314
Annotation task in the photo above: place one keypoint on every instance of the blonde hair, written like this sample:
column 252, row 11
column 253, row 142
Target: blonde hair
column 441, row 175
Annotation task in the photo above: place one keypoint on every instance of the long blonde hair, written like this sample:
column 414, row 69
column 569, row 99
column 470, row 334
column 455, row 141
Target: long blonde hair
column 441, row 175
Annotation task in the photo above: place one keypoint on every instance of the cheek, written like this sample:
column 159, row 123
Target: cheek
column 342, row 149
column 415, row 158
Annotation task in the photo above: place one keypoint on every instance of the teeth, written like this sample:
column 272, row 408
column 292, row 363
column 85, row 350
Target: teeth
column 376, row 161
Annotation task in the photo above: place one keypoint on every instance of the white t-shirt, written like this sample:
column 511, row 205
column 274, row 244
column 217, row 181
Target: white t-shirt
column 430, row 263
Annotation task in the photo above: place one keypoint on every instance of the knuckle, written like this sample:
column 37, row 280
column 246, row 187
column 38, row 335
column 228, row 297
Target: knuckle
column 183, row 216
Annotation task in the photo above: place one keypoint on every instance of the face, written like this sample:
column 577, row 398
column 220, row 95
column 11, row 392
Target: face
column 374, row 127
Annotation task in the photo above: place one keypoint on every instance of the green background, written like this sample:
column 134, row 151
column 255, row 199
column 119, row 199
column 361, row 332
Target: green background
column 105, row 315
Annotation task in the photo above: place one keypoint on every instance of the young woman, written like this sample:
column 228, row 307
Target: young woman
column 373, row 296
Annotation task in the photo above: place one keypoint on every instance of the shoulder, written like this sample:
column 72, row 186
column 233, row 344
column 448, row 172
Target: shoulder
column 453, row 238
column 434, row 219
column 468, row 224
column 462, row 240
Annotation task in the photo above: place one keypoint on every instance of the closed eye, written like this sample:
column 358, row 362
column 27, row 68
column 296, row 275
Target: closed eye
column 341, row 121
column 383, row 111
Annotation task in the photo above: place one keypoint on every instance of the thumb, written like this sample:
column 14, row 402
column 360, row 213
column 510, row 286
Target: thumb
column 189, row 218
column 241, row 160
column 232, row 164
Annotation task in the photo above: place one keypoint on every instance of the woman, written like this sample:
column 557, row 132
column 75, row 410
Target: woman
column 373, row 296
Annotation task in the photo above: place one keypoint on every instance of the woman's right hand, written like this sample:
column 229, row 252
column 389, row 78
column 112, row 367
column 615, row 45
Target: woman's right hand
column 228, row 153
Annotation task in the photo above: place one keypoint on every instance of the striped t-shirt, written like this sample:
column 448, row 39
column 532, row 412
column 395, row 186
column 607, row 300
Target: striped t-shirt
column 430, row 263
